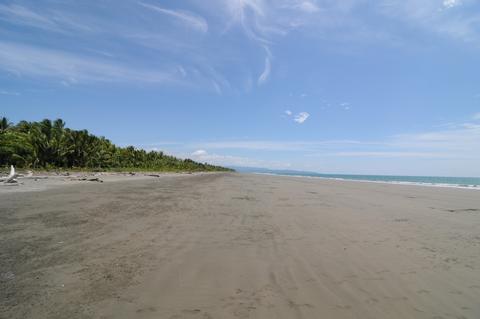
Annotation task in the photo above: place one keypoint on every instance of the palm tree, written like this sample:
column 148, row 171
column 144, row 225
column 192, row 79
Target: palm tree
column 50, row 144
column 4, row 124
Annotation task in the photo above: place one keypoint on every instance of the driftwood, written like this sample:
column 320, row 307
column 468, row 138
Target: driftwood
column 62, row 173
column 96, row 179
column 35, row 177
column 31, row 176
column 86, row 179
column 12, row 184
column 11, row 178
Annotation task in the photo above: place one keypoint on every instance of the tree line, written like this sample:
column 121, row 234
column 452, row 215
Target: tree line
column 50, row 144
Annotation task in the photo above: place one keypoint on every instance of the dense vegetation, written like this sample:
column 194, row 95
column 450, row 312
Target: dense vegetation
column 47, row 145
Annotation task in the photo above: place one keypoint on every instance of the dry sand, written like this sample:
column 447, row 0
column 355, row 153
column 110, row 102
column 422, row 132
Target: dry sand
column 239, row 246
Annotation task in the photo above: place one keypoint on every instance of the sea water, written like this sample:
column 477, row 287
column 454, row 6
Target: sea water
column 459, row 182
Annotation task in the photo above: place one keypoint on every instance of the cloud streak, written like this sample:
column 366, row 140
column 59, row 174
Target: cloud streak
column 301, row 117
column 229, row 160
column 450, row 3
column 54, row 21
column 192, row 20
column 208, row 58
column 24, row 16
column 454, row 152
column 3, row 92
column 460, row 141
column 308, row 6
column 266, row 71
column 391, row 154
column 22, row 60
column 284, row 146
column 437, row 17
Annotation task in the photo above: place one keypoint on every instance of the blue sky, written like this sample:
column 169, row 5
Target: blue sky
column 352, row 86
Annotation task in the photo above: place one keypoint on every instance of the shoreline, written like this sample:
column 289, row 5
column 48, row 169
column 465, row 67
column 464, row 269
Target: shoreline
column 440, row 185
column 42, row 181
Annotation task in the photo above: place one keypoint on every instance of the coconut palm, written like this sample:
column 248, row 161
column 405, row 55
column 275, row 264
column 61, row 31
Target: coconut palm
column 48, row 144
column 5, row 124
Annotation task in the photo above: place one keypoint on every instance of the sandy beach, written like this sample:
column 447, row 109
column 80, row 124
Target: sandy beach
column 228, row 245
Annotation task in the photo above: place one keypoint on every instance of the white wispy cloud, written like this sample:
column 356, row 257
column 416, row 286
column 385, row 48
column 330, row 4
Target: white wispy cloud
column 257, row 20
column 391, row 154
column 199, row 153
column 476, row 116
column 192, row 20
column 452, row 151
column 288, row 112
column 289, row 146
column 22, row 60
column 461, row 140
column 266, row 71
column 55, row 21
column 306, row 6
column 428, row 15
column 216, row 87
column 229, row 160
column 4, row 92
column 268, row 66
column 238, row 9
column 451, row 3
column 22, row 15
column 463, row 135
column 301, row 117
column 265, row 23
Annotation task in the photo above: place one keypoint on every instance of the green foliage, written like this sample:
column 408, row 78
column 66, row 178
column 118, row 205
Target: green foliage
column 48, row 144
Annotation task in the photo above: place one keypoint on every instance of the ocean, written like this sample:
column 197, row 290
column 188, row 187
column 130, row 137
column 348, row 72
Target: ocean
column 457, row 182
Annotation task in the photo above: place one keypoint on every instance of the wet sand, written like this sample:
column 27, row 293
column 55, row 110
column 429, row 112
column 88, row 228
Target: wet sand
column 238, row 246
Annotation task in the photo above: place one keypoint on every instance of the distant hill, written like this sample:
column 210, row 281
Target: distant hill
column 49, row 144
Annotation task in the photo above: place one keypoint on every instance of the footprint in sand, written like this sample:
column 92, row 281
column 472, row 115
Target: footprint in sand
column 423, row 291
column 295, row 305
column 146, row 309
column 371, row 300
column 343, row 307
column 197, row 313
